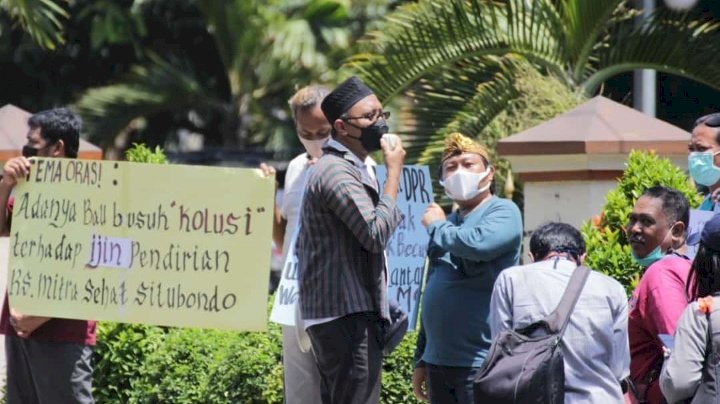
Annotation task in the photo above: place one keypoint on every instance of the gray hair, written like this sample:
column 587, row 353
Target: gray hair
column 307, row 98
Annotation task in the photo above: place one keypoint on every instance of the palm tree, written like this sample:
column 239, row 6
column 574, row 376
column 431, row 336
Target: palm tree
column 459, row 59
column 266, row 48
column 42, row 19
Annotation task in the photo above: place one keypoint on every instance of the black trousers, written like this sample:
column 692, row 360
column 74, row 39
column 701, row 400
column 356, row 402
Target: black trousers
column 349, row 356
column 450, row 385
column 40, row 372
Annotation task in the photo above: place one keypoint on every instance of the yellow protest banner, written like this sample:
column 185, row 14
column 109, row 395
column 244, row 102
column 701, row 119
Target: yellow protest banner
column 144, row 243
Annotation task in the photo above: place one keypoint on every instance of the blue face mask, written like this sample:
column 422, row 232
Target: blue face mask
column 702, row 168
column 655, row 255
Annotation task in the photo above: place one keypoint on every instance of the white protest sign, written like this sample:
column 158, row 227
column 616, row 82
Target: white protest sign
column 408, row 246
column 287, row 293
column 695, row 227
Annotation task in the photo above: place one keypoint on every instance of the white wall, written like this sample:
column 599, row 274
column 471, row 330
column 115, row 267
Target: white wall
column 579, row 162
column 572, row 202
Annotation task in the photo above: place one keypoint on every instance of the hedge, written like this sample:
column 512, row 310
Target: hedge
column 145, row 364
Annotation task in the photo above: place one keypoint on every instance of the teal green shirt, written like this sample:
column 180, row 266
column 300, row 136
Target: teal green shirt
column 707, row 204
column 466, row 255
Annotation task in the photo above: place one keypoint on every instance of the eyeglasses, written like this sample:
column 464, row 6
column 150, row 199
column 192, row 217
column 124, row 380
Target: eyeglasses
column 370, row 116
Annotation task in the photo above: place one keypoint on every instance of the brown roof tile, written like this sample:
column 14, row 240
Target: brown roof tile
column 600, row 125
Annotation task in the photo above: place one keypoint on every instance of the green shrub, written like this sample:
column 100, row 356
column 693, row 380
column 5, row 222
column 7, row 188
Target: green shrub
column 211, row 366
column 607, row 246
column 139, row 153
column 397, row 373
column 250, row 371
column 146, row 364
column 119, row 356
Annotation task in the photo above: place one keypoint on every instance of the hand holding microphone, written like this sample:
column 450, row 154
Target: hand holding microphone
column 391, row 140
column 393, row 152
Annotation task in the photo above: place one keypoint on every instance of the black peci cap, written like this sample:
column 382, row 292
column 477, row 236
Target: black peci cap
column 343, row 97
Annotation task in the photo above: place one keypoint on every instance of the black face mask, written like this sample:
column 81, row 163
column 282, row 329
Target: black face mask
column 370, row 136
column 29, row 151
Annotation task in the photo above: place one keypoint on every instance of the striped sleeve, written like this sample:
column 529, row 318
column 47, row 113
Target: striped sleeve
column 347, row 197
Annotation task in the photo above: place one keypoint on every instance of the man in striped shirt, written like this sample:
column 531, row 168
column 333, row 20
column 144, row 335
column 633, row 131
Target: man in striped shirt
column 346, row 223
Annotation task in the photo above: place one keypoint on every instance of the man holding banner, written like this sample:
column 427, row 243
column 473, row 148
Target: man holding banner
column 346, row 223
column 48, row 359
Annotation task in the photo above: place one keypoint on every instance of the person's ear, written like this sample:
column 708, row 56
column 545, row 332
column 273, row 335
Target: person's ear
column 339, row 126
column 582, row 258
column 58, row 149
column 678, row 229
column 677, row 234
column 532, row 258
column 491, row 173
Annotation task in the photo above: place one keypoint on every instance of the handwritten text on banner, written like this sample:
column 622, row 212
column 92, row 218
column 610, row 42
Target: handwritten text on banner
column 156, row 244
column 408, row 245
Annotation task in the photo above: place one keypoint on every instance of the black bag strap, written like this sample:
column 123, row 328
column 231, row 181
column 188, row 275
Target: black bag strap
column 559, row 318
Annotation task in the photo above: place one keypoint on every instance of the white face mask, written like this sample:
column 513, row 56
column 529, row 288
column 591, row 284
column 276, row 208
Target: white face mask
column 463, row 185
column 314, row 147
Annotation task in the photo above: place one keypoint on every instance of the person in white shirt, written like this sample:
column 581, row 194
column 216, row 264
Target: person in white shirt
column 595, row 343
column 301, row 376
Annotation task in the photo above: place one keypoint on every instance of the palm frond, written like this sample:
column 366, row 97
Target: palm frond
column 583, row 22
column 489, row 98
column 42, row 19
column 425, row 37
column 238, row 30
column 436, row 100
column 666, row 42
column 264, row 42
column 149, row 89
column 293, row 40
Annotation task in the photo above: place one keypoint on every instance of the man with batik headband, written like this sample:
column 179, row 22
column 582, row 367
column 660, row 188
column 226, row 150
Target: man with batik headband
column 467, row 251
column 345, row 224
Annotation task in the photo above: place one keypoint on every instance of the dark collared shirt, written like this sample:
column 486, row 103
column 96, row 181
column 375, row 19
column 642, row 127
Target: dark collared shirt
column 345, row 226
